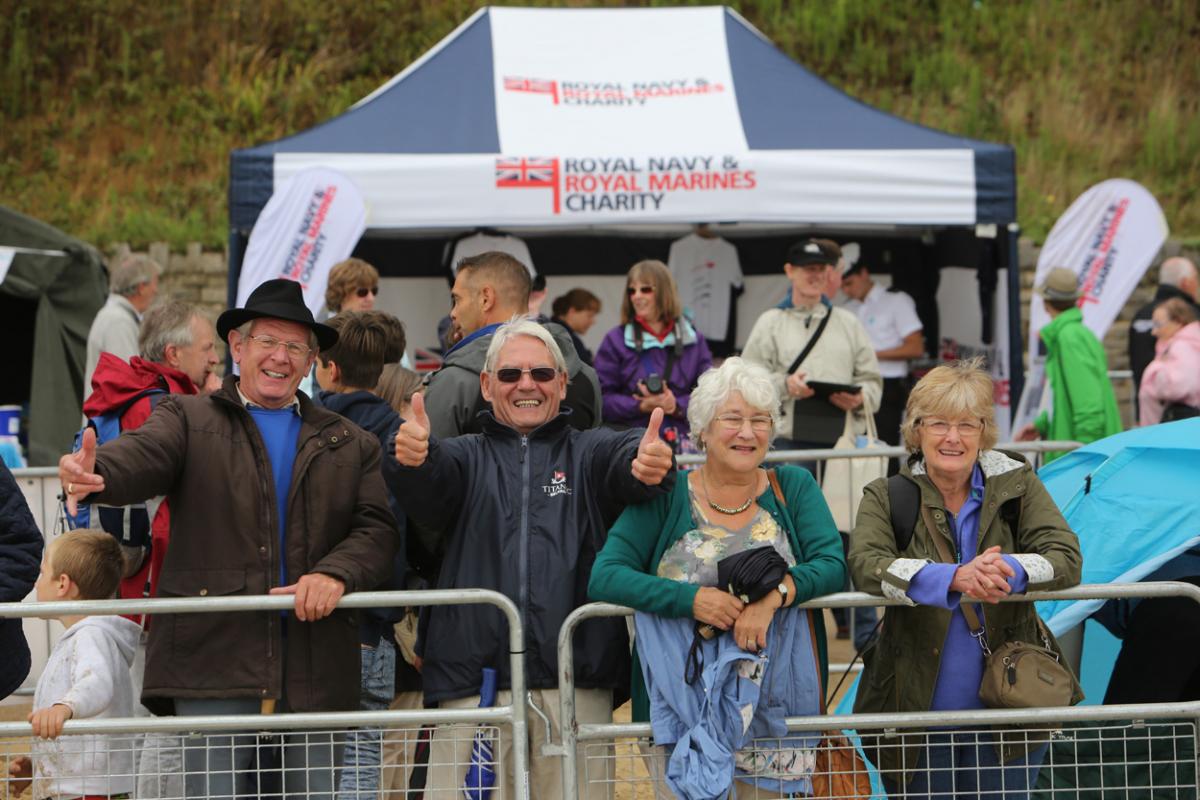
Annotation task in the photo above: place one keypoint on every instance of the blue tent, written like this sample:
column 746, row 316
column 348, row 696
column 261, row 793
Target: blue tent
column 610, row 118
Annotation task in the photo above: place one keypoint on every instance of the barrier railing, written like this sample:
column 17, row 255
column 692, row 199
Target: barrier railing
column 223, row 736
column 1144, row 758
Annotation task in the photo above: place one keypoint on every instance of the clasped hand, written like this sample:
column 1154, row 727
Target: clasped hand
column 985, row 577
column 750, row 622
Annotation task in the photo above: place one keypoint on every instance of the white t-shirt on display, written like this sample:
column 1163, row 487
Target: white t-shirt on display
column 888, row 317
column 706, row 271
column 480, row 243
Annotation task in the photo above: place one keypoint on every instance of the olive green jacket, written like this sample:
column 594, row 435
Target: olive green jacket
column 901, row 668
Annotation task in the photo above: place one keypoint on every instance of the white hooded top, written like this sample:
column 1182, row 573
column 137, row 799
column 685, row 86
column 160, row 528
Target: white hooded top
column 88, row 671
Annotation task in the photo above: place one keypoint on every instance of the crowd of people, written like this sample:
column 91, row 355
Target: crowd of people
column 528, row 467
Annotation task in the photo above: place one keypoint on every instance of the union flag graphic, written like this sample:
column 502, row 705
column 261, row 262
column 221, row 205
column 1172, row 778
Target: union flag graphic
column 529, row 173
column 533, row 86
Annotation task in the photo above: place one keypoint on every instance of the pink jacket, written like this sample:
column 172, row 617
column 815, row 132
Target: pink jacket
column 1173, row 376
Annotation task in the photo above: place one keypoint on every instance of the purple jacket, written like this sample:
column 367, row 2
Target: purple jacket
column 619, row 367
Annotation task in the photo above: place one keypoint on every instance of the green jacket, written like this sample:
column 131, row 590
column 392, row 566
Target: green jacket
column 1085, row 408
column 625, row 572
column 901, row 668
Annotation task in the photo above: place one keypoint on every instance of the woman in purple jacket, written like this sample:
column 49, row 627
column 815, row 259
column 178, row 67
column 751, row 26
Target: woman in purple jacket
column 653, row 358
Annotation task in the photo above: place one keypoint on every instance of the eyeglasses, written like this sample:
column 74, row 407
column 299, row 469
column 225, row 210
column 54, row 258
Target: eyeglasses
column 734, row 422
column 539, row 374
column 269, row 344
column 632, row 290
column 363, row 291
column 939, row 427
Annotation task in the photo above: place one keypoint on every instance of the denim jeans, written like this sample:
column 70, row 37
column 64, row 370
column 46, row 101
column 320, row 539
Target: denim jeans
column 359, row 776
column 966, row 765
column 245, row 765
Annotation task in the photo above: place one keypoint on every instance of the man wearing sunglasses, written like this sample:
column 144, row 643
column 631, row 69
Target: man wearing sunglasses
column 525, row 506
column 490, row 289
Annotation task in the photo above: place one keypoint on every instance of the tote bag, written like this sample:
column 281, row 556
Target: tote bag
column 845, row 478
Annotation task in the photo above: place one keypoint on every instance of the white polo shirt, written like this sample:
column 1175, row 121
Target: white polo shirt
column 888, row 317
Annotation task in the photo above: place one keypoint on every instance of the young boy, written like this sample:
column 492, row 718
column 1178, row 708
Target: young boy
column 349, row 371
column 87, row 676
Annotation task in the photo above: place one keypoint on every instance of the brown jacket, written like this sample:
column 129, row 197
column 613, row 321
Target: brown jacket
column 207, row 456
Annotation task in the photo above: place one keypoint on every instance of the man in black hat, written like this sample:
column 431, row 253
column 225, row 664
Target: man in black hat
column 269, row 494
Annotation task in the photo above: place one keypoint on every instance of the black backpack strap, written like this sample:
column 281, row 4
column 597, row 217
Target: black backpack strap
column 904, row 496
column 815, row 337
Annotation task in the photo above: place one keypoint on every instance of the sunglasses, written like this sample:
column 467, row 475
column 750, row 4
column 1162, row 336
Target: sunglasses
column 632, row 290
column 363, row 291
column 539, row 374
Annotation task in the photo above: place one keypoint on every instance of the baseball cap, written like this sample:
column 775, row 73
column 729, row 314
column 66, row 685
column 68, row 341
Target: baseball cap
column 812, row 251
column 1060, row 283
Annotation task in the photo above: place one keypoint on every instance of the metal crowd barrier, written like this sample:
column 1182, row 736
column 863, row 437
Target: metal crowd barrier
column 278, row 741
column 1146, row 750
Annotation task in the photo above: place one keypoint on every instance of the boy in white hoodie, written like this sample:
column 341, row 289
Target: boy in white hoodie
column 87, row 677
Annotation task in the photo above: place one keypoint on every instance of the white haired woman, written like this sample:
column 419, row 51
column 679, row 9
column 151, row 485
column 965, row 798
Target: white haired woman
column 662, row 558
column 1002, row 534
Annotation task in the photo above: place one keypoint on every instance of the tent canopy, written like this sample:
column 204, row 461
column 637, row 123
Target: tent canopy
column 618, row 116
column 53, row 297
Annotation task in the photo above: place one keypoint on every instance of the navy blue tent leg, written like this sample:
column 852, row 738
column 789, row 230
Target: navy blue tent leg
column 1016, row 355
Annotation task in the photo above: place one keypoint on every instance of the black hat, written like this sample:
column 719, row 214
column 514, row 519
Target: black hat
column 276, row 299
column 811, row 251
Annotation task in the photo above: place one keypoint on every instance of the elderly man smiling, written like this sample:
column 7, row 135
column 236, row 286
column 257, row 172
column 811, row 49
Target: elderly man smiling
column 526, row 505
column 269, row 493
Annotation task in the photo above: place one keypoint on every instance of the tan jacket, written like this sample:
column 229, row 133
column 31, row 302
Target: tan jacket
column 842, row 355
column 207, row 456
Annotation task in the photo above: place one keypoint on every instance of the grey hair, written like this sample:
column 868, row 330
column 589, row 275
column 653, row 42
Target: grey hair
column 522, row 325
column 166, row 324
column 1175, row 270
column 245, row 328
column 712, row 391
column 131, row 272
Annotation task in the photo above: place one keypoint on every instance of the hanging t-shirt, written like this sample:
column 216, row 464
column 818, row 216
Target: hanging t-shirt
column 707, row 271
column 479, row 243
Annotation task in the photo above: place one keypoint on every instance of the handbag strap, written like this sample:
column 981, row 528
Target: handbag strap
column 773, row 478
column 816, row 336
column 977, row 629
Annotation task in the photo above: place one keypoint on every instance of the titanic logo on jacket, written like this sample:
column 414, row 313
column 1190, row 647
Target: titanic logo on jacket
column 557, row 485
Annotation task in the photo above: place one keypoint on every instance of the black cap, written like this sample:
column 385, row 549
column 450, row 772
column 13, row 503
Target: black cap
column 276, row 299
column 811, row 251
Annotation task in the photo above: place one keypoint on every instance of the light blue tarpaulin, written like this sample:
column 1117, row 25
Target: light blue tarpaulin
column 1134, row 500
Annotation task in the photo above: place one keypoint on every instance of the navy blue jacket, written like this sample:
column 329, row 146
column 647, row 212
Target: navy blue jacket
column 20, row 563
column 373, row 414
column 524, row 516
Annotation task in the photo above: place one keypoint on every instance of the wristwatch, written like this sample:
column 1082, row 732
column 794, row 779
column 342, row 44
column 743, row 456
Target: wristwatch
column 783, row 590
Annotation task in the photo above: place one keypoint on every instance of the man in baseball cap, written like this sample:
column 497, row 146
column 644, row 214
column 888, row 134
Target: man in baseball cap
column 1084, row 405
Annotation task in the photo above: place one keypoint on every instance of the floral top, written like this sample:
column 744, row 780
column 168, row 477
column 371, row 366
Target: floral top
column 693, row 558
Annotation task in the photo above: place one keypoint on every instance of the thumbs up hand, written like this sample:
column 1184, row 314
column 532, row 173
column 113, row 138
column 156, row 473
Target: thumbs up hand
column 76, row 472
column 653, row 460
column 412, row 440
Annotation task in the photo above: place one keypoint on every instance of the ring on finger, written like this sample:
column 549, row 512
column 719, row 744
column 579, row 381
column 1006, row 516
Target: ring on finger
column 70, row 488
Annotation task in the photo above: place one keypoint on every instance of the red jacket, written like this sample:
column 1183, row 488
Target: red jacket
column 115, row 383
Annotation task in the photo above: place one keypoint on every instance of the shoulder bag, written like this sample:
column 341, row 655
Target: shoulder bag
column 1018, row 674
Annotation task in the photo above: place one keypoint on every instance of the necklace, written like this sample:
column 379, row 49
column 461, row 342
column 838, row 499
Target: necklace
column 718, row 506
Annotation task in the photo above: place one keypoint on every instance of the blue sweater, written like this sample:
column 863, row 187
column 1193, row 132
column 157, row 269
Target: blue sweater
column 280, row 429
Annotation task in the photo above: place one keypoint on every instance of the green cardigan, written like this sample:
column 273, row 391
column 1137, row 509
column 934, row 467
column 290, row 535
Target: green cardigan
column 625, row 571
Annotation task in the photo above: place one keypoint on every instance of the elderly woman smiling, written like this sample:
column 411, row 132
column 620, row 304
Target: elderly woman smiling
column 987, row 508
column 662, row 557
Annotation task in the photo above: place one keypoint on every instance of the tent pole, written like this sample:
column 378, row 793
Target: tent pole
column 237, row 250
column 1016, row 354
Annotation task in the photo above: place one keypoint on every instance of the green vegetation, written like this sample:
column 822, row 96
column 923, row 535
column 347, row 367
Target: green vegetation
column 117, row 116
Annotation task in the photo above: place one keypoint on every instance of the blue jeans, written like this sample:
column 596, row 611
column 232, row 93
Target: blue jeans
column 359, row 776
column 960, row 764
column 237, row 765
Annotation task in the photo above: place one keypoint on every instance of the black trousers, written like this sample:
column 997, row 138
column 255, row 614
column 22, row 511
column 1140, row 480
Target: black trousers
column 1159, row 660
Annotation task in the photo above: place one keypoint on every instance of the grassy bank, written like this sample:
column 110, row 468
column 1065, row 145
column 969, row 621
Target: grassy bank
column 117, row 117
